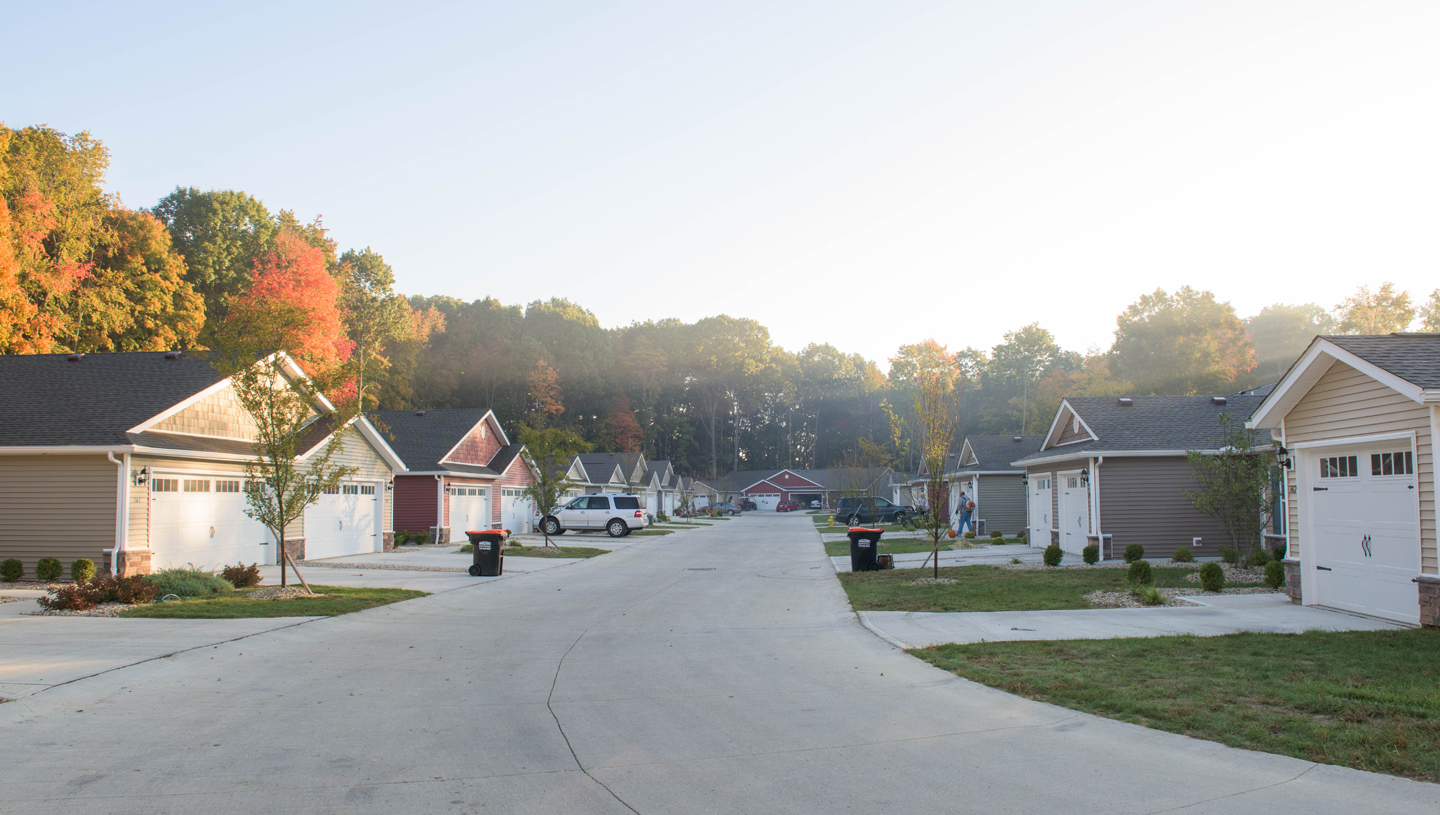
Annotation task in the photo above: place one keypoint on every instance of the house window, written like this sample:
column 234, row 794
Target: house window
column 1340, row 467
column 227, row 486
column 197, row 485
column 1072, row 483
column 331, row 491
column 164, row 485
column 350, row 489
column 367, row 489
column 1392, row 464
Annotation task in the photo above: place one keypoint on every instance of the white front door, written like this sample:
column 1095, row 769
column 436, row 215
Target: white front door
column 1074, row 513
column 201, row 521
column 1040, row 509
column 1366, row 546
column 345, row 521
column 515, row 510
column 469, row 510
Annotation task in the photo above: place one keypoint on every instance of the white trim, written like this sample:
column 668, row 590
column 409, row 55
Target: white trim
column 179, row 406
column 66, row 449
column 766, row 480
column 1348, row 440
column 1300, row 379
column 1124, row 454
column 160, row 452
column 372, row 435
column 1055, row 424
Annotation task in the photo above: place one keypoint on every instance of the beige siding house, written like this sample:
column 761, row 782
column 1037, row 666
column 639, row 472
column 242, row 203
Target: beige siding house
column 1357, row 416
column 1113, row 471
column 136, row 461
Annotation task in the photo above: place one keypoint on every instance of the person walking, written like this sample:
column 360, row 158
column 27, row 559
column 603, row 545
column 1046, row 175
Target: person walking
column 966, row 508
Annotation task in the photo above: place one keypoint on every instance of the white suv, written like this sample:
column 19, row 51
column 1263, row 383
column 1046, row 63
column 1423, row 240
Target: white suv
column 616, row 513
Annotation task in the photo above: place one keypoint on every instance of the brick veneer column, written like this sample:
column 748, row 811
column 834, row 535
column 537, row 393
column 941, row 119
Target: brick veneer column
column 1429, row 600
column 1292, row 579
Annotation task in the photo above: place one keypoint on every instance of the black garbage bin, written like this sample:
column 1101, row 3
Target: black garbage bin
column 863, row 545
column 489, row 552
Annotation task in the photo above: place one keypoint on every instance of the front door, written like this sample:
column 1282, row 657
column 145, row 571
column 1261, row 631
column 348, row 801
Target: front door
column 1040, row 509
column 1074, row 513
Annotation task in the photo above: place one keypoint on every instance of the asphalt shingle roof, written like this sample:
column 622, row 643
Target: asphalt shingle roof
column 1152, row 423
column 421, row 440
column 997, row 452
column 600, row 466
column 51, row 401
column 1412, row 357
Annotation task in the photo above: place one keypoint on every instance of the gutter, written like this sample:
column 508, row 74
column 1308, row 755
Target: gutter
column 122, row 504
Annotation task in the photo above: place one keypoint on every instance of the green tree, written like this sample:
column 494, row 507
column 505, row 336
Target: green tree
column 1234, row 484
column 937, row 412
column 1178, row 344
column 720, row 354
column 1280, row 334
column 1379, row 312
column 375, row 315
column 136, row 297
column 1430, row 313
column 220, row 233
column 549, row 451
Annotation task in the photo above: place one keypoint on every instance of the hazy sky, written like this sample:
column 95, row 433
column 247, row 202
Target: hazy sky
column 950, row 170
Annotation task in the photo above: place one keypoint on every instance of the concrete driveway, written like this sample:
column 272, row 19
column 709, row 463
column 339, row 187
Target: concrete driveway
column 719, row 671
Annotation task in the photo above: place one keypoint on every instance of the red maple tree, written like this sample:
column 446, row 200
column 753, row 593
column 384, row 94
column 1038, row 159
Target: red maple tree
column 293, row 305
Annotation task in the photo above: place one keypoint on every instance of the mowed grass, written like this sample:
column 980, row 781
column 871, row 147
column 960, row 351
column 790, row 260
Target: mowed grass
column 651, row 532
column 888, row 546
column 1363, row 699
column 990, row 588
column 337, row 600
column 542, row 551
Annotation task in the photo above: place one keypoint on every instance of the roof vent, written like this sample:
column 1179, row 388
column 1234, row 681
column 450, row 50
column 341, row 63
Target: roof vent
column 1017, row 438
column 1126, row 401
column 174, row 354
column 1217, row 400
column 419, row 413
column 75, row 357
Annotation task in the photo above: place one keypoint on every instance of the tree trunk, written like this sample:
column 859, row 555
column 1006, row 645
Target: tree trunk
column 281, row 538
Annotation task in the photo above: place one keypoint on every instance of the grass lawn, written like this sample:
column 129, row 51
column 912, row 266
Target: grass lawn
column 541, row 551
column 990, row 588
column 888, row 546
column 1363, row 699
column 651, row 532
column 338, row 600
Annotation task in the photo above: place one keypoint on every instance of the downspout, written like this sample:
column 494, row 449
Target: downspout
column 122, row 506
column 439, row 506
column 1095, row 502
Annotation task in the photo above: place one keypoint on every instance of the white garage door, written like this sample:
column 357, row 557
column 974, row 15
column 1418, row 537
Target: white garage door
column 345, row 521
column 1366, row 537
column 766, row 501
column 1040, row 506
column 515, row 510
column 469, row 510
column 201, row 521
column 1074, row 513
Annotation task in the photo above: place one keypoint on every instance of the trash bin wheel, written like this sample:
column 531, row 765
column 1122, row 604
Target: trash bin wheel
column 474, row 571
column 551, row 526
column 617, row 528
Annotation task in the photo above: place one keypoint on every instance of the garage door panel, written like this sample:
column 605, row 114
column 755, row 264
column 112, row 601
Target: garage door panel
column 203, row 528
column 343, row 522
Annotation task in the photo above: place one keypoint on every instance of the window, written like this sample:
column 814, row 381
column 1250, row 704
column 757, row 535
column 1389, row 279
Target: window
column 599, row 503
column 197, row 485
column 164, row 485
column 1072, row 483
column 350, row 489
column 579, row 503
column 227, row 486
column 1340, row 467
column 367, row 489
column 626, row 503
column 1392, row 463
column 331, row 491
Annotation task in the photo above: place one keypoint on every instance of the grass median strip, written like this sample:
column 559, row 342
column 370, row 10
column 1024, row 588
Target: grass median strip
column 337, row 600
column 894, row 546
column 991, row 588
column 541, row 551
column 1363, row 699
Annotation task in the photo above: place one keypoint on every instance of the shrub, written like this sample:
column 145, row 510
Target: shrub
column 1023, row 534
column 997, row 534
column 1275, row 574
column 1053, row 555
column 1183, row 555
column 969, row 536
column 1134, row 552
column 49, row 569
column 11, row 570
column 241, row 576
column 1149, row 595
column 1017, row 561
column 82, row 570
column 187, row 583
column 1139, row 573
column 1278, row 553
column 402, row 538
column 1212, row 576
column 1091, row 554
column 132, row 589
column 1257, row 558
column 1229, row 555
column 71, row 597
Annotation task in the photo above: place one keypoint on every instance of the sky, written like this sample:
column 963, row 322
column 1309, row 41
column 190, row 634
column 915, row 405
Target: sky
column 864, row 174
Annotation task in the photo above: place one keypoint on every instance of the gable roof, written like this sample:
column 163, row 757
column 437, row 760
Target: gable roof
column 995, row 453
column 1414, row 358
column 1148, row 425
column 504, row 457
column 1407, row 363
column 604, row 468
column 421, row 438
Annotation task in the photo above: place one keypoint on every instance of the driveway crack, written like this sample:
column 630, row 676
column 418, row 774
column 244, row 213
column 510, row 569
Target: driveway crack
column 1233, row 794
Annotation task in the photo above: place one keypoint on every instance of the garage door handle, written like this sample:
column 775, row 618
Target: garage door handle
column 1324, row 569
column 1320, row 489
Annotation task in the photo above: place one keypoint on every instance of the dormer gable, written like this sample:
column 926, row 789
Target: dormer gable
column 479, row 444
column 1067, row 428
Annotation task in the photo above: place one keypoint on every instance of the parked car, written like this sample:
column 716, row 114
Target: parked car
column 747, row 505
column 858, row 511
column 787, row 506
column 616, row 513
column 726, row 508
column 815, row 504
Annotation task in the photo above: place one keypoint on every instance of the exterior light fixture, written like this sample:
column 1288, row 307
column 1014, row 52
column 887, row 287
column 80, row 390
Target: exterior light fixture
column 1282, row 457
column 1084, row 478
column 142, row 476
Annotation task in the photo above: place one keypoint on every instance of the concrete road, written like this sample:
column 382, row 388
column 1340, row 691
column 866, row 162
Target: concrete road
column 719, row 671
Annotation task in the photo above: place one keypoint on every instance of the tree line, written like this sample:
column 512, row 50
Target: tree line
column 80, row 271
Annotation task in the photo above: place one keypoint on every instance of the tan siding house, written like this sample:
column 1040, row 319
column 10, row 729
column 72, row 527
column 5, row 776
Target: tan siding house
column 1357, row 416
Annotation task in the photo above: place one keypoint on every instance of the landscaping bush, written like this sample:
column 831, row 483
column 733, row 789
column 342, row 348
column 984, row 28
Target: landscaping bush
column 1134, row 552
column 1229, row 555
column 82, row 570
column 1275, row 574
column 1139, row 573
column 11, row 570
column 49, row 569
column 1149, row 595
column 1212, row 577
column 402, row 538
column 969, row 536
column 1023, row 534
column 1257, row 559
column 241, row 576
column 1183, row 555
column 1278, row 553
column 132, row 589
column 71, row 597
column 997, row 535
column 187, row 583
column 1091, row 554
column 1054, row 554
column 84, row 595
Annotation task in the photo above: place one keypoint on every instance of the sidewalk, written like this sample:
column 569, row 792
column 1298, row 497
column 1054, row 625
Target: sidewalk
column 1221, row 614
column 980, row 555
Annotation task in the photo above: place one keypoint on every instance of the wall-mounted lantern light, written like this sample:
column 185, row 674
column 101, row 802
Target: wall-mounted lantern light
column 1084, row 478
column 142, row 476
column 1282, row 457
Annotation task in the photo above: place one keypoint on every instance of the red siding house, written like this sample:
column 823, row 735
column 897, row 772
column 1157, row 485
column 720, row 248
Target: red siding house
column 461, row 473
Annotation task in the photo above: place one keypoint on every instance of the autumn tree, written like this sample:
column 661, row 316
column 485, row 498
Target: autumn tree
column 136, row 297
column 619, row 432
column 1280, row 334
column 374, row 314
column 550, row 451
column 1379, row 312
column 1430, row 313
column 292, row 305
column 544, row 401
column 937, row 412
column 220, row 234
column 1092, row 378
column 1178, row 344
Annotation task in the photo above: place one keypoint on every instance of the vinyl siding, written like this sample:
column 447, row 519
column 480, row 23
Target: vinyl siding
column 518, row 475
column 476, row 450
column 414, row 500
column 1068, row 435
column 1142, row 500
column 56, row 506
column 218, row 414
column 1002, row 503
column 1345, row 403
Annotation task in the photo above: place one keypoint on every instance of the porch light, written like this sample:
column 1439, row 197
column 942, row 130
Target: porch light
column 1025, row 478
column 1282, row 457
column 1084, row 478
column 142, row 476
column 390, row 485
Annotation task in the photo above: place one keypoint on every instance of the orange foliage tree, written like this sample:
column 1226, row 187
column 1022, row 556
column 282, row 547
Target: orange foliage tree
column 620, row 433
column 545, row 394
column 292, row 305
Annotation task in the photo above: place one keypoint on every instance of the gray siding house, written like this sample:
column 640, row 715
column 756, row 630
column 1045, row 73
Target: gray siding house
column 988, row 477
column 1112, row 471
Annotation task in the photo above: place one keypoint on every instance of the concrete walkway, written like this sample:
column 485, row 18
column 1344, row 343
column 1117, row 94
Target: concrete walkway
column 1221, row 614
column 720, row 671
column 980, row 555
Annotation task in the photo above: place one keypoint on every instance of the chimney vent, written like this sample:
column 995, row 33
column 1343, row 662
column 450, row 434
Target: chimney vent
column 1017, row 438
column 1126, row 401
column 1217, row 400
column 74, row 357
column 419, row 413
column 173, row 354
